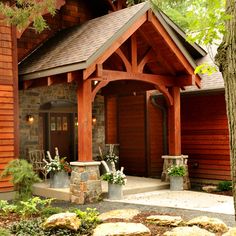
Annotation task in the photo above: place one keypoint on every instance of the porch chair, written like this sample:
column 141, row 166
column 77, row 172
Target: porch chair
column 36, row 159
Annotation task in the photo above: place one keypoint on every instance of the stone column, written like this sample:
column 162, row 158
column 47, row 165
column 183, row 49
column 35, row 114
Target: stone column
column 175, row 160
column 85, row 183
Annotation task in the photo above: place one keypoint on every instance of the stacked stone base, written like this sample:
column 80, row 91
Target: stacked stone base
column 175, row 160
column 85, row 183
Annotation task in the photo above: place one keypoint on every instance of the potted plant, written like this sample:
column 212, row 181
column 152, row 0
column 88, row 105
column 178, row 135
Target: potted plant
column 176, row 173
column 58, row 168
column 116, row 180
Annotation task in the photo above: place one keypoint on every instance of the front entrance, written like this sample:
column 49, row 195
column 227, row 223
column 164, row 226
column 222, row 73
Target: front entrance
column 61, row 134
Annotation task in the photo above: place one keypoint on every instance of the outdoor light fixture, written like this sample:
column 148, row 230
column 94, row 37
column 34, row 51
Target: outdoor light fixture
column 94, row 120
column 30, row 119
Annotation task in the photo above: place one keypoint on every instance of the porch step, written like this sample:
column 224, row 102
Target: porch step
column 134, row 185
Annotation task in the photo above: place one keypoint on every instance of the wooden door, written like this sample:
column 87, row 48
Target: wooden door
column 61, row 135
column 131, row 130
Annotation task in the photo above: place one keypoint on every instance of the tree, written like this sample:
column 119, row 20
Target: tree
column 22, row 12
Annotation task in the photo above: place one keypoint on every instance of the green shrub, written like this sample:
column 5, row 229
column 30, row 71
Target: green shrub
column 224, row 186
column 23, row 177
column 4, row 232
column 6, row 208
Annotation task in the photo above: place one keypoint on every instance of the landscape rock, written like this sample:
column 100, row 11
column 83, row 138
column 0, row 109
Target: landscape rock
column 188, row 231
column 121, row 229
column 231, row 232
column 125, row 214
column 63, row 220
column 165, row 220
column 211, row 224
column 209, row 188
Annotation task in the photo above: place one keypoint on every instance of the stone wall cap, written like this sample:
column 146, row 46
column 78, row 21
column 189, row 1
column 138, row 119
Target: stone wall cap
column 88, row 163
column 174, row 157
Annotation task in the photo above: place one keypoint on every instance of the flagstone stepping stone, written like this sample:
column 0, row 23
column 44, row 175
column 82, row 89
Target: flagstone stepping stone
column 231, row 232
column 121, row 229
column 164, row 220
column 125, row 214
column 63, row 220
column 211, row 224
column 188, row 231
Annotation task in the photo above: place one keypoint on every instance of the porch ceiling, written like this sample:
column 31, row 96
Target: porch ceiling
column 79, row 47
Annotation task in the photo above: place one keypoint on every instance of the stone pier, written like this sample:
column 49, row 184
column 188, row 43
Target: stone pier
column 85, row 183
column 175, row 160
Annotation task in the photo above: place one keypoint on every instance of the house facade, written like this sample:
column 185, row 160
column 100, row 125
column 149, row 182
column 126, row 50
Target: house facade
column 92, row 65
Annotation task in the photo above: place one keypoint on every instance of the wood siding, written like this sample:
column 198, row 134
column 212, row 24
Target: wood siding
column 205, row 136
column 154, row 139
column 8, row 101
column 131, row 130
column 111, row 119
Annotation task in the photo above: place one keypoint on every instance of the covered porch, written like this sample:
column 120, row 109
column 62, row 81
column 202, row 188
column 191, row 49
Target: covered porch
column 127, row 52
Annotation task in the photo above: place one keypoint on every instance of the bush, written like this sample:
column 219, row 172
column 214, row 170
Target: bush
column 48, row 211
column 4, row 232
column 23, row 177
column 224, row 186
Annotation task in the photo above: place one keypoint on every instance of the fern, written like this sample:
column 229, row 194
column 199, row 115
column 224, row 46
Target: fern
column 22, row 176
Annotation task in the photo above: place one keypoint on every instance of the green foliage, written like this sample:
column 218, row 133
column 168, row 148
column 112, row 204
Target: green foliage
column 48, row 211
column 205, row 68
column 23, row 177
column 177, row 171
column 6, row 208
column 4, row 232
column 89, row 220
column 22, row 12
column 33, row 206
column 224, row 186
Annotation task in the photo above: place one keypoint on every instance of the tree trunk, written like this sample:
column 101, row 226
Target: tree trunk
column 226, row 60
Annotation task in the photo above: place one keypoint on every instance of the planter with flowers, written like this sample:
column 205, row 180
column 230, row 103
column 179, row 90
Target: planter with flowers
column 58, row 168
column 177, row 173
column 116, row 180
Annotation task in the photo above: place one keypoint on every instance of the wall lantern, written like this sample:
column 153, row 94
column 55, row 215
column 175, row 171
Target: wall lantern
column 30, row 119
column 94, row 120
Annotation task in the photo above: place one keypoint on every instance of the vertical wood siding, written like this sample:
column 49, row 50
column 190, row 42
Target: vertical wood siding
column 131, row 129
column 205, row 136
column 155, row 139
column 8, row 101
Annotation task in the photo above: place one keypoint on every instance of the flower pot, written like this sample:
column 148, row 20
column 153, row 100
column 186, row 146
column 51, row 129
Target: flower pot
column 176, row 183
column 115, row 191
column 59, row 179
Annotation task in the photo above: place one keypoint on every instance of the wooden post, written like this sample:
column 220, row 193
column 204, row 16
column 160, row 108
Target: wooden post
column 174, row 123
column 84, row 121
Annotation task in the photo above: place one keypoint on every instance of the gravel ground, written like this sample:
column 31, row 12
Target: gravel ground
column 104, row 206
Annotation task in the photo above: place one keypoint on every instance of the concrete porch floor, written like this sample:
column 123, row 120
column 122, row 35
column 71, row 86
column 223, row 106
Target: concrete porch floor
column 134, row 185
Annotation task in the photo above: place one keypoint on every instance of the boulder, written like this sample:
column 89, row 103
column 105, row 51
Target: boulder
column 188, row 231
column 211, row 224
column 164, row 220
column 121, row 229
column 209, row 188
column 231, row 232
column 63, row 220
column 125, row 214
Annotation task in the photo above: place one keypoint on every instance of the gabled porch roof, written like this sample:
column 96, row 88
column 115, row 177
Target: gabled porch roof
column 79, row 47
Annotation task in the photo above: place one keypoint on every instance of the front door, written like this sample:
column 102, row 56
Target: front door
column 61, row 135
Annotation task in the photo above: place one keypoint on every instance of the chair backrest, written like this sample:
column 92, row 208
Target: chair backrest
column 36, row 159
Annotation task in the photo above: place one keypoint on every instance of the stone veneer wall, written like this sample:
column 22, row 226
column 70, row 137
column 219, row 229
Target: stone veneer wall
column 30, row 102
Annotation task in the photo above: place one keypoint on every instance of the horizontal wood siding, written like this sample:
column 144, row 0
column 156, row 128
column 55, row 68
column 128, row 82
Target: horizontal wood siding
column 131, row 128
column 111, row 119
column 205, row 136
column 8, row 101
column 155, row 139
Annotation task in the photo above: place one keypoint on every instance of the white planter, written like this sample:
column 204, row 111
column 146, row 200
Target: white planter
column 59, row 179
column 115, row 191
column 176, row 183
